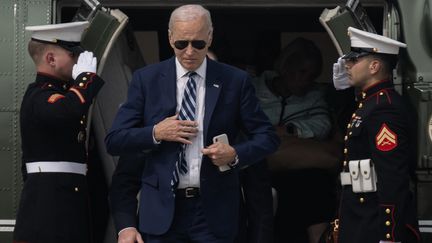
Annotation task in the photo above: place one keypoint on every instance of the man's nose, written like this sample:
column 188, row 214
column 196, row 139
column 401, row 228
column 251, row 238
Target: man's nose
column 189, row 49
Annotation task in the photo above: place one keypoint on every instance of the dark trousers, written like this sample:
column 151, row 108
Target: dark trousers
column 189, row 225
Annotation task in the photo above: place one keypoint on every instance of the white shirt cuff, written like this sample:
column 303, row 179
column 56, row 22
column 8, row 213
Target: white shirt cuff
column 154, row 139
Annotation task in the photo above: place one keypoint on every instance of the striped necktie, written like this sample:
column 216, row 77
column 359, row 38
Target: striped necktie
column 187, row 112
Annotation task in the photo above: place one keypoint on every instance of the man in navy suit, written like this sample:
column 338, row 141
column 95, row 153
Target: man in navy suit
column 203, row 204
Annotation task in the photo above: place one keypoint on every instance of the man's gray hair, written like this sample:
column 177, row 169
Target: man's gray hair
column 190, row 12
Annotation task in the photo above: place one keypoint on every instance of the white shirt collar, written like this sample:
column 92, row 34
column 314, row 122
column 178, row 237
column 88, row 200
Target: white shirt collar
column 181, row 71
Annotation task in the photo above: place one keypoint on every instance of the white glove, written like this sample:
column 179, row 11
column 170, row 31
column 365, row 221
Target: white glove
column 340, row 75
column 86, row 63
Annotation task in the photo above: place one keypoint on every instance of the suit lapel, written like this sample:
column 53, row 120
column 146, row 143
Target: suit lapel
column 213, row 88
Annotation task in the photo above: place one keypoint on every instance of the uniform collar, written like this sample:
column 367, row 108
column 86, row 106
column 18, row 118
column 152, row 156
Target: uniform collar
column 44, row 78
column 375, row 88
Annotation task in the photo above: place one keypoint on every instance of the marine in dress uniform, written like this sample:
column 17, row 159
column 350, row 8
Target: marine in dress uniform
column 377, row 204
column 54, row 200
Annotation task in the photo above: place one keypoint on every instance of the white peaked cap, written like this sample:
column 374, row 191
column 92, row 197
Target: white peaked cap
column 373, row 43
column 70, row 32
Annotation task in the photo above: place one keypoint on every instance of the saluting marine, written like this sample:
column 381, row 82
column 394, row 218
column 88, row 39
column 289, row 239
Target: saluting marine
column 54, row 200
column 377, row 204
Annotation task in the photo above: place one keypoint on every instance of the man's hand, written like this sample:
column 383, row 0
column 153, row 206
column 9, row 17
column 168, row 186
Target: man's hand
column 340, row 75
column 172, row 129
column 86, row 63
column 130, row 235
column 220, row 153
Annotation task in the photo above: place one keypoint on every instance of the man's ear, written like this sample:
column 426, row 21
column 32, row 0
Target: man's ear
column 170, row 40
column 49, row 58
column 210, row 39
column 374, row 66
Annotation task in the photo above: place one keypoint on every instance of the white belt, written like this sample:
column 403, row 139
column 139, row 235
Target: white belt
column 56, row 166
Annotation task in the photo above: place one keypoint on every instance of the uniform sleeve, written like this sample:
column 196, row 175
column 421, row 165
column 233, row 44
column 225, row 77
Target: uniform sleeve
column 52, row 107
column 389, row 145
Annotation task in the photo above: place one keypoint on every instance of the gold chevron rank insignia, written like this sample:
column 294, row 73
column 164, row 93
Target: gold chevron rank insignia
column 53, row 98
column 386, row 139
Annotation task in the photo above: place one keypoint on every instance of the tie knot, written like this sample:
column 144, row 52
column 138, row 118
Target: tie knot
column 191, row 74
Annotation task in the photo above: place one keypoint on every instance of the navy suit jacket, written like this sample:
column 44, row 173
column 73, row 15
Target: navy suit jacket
column 230, row 107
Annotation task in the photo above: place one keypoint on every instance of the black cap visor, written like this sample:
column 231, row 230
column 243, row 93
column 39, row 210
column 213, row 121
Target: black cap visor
column 71, row 46
column 358, row 52
column 355, row 55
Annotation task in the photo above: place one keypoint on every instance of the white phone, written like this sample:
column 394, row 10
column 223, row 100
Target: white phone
column 223, row 138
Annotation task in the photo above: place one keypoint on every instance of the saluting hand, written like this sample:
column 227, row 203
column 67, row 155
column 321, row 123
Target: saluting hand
column 172, row 129
column 130, row 235
column 220, row 153
column 340, row 75
column 86, row 63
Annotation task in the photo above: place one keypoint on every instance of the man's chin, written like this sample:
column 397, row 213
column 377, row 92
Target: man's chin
column 191, row 66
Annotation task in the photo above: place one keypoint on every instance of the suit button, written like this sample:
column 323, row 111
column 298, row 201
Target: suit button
column 363, row 95
column 76, row 189
column 388, row 211
column 362, row 200
column 346, row 138
column 345, row 150
column 344, row 163
column 360, row 105
column 388, row 223
column 388, row 236
column 381, row 93
column 350, row 133
column 81, row 84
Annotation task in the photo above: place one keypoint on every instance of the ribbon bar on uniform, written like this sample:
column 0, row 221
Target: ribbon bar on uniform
column 56, row 166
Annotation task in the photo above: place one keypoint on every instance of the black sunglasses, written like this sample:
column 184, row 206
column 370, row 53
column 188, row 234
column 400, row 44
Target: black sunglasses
column 197, row 44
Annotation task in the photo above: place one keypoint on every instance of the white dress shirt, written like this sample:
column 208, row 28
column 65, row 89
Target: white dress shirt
column 193, row 154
